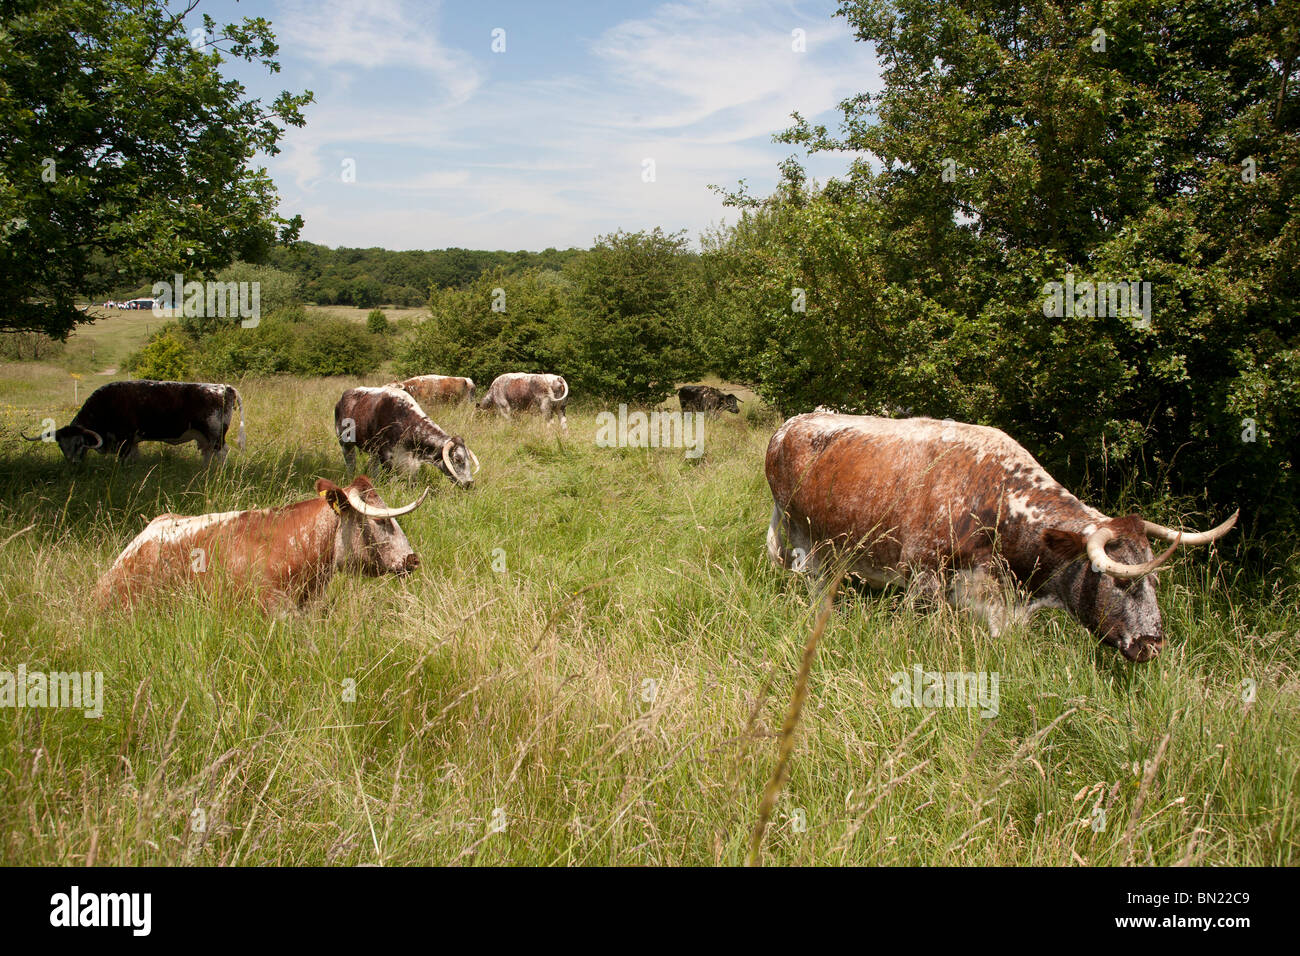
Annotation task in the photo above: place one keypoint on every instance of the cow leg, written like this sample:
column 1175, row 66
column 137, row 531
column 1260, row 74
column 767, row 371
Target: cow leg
column 128, row 452
column 980, row 591
column 790, row 545
column 564, row 422
column 349, row 457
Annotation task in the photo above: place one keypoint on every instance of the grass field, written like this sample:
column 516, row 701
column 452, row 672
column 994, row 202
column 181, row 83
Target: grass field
column 591, row 667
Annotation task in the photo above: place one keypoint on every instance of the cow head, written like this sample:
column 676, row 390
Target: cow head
column 1107, row 579
column 369, row 539
column 74, row 441
column 729, row 403
column 457, row 462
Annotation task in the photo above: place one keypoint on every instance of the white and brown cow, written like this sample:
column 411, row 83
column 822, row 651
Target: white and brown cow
column 430, row 390
column 525, row 391
column 278, row 557
column 118, row 416
column 388, row 423
column 961, row 510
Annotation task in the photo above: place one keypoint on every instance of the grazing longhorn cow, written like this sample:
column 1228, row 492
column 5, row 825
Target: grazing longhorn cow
column 706, row 398
column 523, row 391
column 934, row 502
column 281, row 557
column 431, row 390
column 118, row 416
column 389, row 423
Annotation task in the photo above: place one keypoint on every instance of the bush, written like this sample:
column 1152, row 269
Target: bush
column 290, row 345
column 466, row 335
column 167, row 356
column 377, row 323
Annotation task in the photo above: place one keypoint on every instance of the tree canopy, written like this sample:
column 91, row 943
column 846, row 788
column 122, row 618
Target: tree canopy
column 124, row 152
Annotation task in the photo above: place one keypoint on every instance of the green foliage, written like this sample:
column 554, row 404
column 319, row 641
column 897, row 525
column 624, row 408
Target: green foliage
column 627, row 338
column 926, row 291
column 125, row 152
column 290, row 344
column 166, row 357
column 278, row 291
column 377, row 322
column 370, row 277
column 498, row 323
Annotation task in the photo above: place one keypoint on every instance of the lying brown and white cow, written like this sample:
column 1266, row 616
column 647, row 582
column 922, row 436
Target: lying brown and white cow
column 431, row 390
column 280, row 557
column 390, row 424
column 524, row 391
column 118, row 416
column 961, row 510
column 706, row 398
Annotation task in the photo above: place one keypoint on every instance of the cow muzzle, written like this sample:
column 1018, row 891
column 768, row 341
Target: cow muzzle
column 1141, row 649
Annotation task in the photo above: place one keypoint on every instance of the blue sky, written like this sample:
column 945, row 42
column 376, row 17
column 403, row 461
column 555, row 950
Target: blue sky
column 544, row 144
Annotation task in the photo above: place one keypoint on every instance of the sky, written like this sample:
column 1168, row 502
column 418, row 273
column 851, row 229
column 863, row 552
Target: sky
column 594, row 117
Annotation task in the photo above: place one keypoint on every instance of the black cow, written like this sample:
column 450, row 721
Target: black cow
column 118, row 416
column 706, row 398
column 389, row 424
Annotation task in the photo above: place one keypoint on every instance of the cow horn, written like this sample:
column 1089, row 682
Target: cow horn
column 27, row 438
column 1104, row 564
column 99, row 439
column 474, row 458
column 1196, row 537
column 370, row 511
column 446, row 457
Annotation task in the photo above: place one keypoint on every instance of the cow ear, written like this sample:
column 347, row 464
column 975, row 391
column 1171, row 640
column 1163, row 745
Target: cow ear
column 333, row 494
column 1065, row 544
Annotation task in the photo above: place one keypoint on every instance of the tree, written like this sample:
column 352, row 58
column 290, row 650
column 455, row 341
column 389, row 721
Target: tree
column 1024, row 145
column 628, row 338
column 124, row 152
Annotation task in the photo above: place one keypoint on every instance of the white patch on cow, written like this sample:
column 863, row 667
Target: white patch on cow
column 169, row 529
column 404, row 461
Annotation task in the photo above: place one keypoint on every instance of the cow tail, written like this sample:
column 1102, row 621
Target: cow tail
column 565, row 396
column 240, row 440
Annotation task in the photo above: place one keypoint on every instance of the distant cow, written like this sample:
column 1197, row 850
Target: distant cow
column 524, row 391
column 438, row 389
column 280, row 557
column 118, row 416
column 706, row 398
column 390, row 424
column 962, row 510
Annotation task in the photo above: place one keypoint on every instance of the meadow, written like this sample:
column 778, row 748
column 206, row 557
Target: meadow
column 590, row 667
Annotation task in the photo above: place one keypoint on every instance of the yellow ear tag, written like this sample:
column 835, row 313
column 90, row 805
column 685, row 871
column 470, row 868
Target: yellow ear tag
column 332, row 504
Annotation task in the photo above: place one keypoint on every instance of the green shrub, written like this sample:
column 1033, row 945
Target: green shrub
column 377, row 322
column 167, row 356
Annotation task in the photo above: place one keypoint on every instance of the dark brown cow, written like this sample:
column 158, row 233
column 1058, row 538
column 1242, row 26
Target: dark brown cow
column 280, row 557
column 524, row 391
column 706, row 398
column 389, row 424
column 431, row 390
column 118, row 416
column 963, row 511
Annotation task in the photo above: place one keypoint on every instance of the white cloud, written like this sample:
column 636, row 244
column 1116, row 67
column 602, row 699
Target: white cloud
column 556, row 158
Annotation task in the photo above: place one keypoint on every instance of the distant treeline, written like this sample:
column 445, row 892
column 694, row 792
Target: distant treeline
column 370, row 277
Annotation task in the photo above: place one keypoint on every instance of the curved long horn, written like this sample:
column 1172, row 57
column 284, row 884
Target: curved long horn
column 99, row 439
column 26, row 437
column 446, row 458
column 474, row 458
column 1196, row 537
column 1105, row 564
column 370, row 511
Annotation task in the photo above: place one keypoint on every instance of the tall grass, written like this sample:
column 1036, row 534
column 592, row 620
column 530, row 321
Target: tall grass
column 613, row 696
